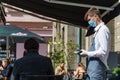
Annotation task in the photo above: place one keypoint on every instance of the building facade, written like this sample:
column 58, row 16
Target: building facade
column 31, row 23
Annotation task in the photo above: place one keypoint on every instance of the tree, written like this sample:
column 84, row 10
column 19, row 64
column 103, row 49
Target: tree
column 71, row 47
column 61, row 53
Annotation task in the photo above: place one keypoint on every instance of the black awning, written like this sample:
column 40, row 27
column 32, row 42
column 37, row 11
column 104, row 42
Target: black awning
column 71, row 11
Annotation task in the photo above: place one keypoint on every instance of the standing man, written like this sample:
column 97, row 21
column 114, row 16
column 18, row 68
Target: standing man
column 32, row 63
column 100, row 45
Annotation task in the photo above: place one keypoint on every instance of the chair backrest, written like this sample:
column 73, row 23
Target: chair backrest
column 41, row 77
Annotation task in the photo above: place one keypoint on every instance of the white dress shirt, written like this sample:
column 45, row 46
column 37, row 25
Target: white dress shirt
column 102, row 43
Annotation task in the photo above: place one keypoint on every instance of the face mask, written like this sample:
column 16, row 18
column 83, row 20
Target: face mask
column 92, row 23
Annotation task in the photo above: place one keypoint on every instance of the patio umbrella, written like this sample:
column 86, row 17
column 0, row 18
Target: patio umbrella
column 14, row 34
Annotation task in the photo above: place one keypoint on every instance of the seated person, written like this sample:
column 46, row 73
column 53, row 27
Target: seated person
column 6, row 68
column 60, row 70
column 32, row 63
column 80, row 70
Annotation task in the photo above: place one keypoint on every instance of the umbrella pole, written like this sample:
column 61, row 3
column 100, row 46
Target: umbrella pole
column 7, row 48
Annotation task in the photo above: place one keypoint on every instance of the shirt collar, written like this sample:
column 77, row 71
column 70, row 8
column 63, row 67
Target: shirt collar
column 98, row 26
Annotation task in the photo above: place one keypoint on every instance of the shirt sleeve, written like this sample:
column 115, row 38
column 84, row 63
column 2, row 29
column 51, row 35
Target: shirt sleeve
column 102, row 40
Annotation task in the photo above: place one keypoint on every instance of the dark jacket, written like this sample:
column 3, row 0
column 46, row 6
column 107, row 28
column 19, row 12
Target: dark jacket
column 32, row 64
column 6, row 72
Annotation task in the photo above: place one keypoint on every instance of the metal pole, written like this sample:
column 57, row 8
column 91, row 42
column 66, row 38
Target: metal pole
column 7, row 47
column 79, row 44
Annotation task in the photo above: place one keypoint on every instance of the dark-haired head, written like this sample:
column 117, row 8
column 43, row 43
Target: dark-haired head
column 31, row 44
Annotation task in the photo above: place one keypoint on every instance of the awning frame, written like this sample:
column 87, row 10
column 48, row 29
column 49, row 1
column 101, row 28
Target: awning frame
column 35, row 14
column 78, row 4
column 68, row 13
column 108, row 9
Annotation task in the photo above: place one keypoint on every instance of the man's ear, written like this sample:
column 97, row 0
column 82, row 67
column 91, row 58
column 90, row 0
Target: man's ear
column 25, row 50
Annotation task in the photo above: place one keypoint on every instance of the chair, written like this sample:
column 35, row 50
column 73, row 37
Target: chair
column 41, row 77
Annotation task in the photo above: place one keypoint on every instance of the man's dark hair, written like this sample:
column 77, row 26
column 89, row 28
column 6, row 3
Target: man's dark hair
column 31, row 43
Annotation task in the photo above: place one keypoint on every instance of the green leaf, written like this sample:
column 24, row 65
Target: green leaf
column 116, row 70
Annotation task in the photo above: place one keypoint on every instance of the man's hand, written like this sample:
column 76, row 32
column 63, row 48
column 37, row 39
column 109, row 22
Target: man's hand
column 83, row 53
column 77, row 52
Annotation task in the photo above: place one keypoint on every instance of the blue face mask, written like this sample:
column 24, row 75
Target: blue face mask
column 92, row 23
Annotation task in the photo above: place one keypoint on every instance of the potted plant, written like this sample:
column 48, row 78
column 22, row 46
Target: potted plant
column 116, row 71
